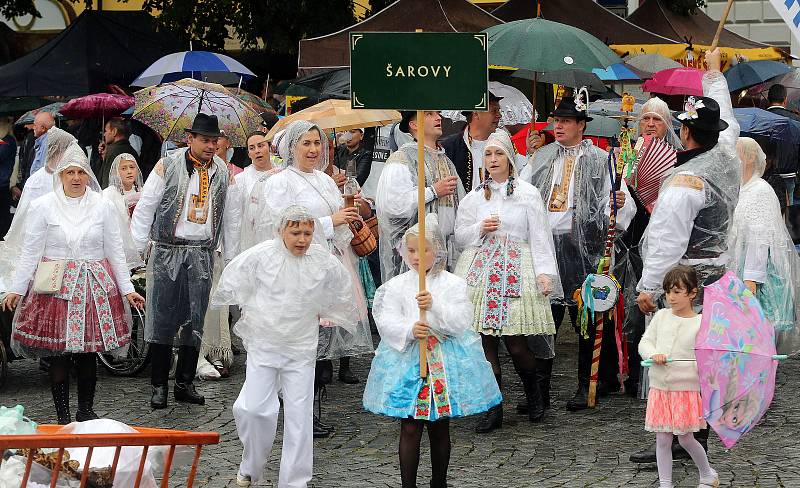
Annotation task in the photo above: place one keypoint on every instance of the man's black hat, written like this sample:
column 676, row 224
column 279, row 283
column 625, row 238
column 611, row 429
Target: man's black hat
column 205, row 125
column 406, row 116
column 567, row 108
column 702, row 113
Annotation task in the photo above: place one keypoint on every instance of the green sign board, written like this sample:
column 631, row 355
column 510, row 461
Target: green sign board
column 419, row 70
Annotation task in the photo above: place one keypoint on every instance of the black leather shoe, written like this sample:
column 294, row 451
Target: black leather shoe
column 644, row 456
column 347, row 376
column 321, row 430
column 580, row 401
column 188, row 394
column 492, row 419
column 159, row 398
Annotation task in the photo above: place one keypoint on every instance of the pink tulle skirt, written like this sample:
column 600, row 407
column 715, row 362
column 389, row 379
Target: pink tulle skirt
column 677, row 412
column 93, row 319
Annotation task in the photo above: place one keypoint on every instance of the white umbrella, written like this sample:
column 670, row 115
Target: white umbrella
column 515, row 108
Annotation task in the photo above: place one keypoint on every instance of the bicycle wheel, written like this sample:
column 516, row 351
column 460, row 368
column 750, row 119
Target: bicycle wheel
column 138, row 353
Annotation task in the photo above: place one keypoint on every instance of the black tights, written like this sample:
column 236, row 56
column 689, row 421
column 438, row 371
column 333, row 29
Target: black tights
column 410, row 438
column 517, row 346
column 85, row 366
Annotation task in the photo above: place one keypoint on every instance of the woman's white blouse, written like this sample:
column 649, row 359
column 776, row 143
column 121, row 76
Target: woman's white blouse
column 522, row 217
column 45, row 237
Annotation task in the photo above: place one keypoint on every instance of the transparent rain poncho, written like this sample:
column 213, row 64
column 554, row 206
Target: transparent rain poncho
column 762, row 250
column 519, row 256
column 83, row 232
column 292, row 306
column 179, row 271
column 318, row 193
column 658, row 107
column 125, row 202
column 396, row 203
column 580, row 248
column 60, row 144
column 692, row 218
column 456, row 359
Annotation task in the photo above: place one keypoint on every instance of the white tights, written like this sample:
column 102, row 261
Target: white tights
column 664, row 457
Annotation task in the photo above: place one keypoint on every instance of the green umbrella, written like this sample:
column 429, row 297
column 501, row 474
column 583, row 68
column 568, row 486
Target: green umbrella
column 543, row 45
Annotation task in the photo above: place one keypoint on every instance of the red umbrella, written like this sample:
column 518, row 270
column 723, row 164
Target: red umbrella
column 100, row 105
column 676, row 81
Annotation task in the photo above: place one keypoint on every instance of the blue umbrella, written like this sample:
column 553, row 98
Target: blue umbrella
column 200, row 65
column 752, row 73
column 779, row 136
column 616, row 72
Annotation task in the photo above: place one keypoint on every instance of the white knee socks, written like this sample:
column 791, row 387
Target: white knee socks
column 664, row 459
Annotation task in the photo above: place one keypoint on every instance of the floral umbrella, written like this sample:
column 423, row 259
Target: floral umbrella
column 170, row 108
column 736, row 360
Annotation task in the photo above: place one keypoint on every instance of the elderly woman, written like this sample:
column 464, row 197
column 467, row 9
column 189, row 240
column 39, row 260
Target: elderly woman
column 762, row 251
column 304, row 183
column 655, row 120
column 510, row 267
column 72, row 251
column 124, row 189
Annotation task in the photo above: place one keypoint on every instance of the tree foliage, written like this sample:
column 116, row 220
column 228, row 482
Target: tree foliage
column 685, row 7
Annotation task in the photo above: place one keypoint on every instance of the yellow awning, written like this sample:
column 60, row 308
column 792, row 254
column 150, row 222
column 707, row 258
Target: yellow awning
column 693, row 57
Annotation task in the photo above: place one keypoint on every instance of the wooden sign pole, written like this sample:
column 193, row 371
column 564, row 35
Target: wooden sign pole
column 423, row 343
column 721, row 25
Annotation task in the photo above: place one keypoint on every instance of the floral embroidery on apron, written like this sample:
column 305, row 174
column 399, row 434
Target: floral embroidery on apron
column 435, row 385
column 496, row 269
column 80, row 279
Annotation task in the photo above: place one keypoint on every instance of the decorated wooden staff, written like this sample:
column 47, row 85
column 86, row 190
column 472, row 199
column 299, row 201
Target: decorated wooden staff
column 601, row 292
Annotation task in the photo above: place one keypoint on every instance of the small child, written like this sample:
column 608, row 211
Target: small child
column 284, row 287
column 674, row 406
column 459, row 381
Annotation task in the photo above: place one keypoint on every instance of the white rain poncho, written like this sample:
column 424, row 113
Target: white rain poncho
column 60, row 144
column 284, row 298
column 762, row 250
column 318, row 193
column 396, row 203
column 658, row 107
column 580, row 229
column 692, row 218
column 84, row 232
column 124, row 202
column 521, row 254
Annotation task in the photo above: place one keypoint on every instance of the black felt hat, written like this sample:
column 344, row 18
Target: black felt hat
column 702, row 113
column 406, row 116
column 567, row 108
column 205, row 125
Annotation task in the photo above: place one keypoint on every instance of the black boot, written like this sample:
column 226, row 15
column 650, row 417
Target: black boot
column 86, row 389
column 160, row 361
column 492, row 419
column 346, row 374
column 320, row 430
column 544, row 371
column 61, row 401
column 184, row 376
column 533, row 396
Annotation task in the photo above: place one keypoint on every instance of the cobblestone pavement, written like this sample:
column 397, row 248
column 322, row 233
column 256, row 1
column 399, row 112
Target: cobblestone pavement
column 588, row 448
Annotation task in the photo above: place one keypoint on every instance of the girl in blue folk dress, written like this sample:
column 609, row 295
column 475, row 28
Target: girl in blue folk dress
column 459, row 381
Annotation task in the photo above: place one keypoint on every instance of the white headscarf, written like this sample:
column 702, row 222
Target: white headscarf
column 294, row 132
column 58, row 141
column 433, row 238
column 77, row 216
column 659, row 108
column 116, row 180
column 750, row 151
column 501, row 140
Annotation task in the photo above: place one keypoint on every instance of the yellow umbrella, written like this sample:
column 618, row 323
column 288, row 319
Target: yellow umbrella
column 337, row 114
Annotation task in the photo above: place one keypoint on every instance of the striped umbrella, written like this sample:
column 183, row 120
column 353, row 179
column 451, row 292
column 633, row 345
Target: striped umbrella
column 200, row 65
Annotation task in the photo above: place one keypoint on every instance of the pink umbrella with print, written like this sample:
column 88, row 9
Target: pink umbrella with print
column 736, row 359
column 676, row 81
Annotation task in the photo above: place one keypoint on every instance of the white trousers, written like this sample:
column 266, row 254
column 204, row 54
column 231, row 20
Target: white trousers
column 256, row 415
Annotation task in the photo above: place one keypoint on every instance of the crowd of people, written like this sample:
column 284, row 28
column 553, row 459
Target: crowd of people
column 268, row 253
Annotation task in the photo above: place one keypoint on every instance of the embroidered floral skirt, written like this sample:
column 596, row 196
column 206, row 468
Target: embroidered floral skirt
column 527, row 314
column 86, row 316
column 678, row 412
column 460, row 381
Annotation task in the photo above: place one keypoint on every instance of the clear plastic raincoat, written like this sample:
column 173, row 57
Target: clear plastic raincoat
column 318, row 193
column 692, row 218
column 396, row 203
column 762, row 250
